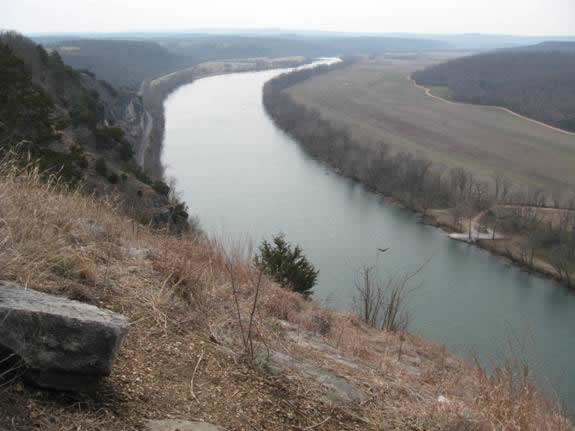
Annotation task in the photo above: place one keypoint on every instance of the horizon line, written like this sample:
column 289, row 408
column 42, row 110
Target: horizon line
column 228, row 30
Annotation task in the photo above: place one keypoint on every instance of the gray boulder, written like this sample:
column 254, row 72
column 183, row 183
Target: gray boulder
column 63, row 344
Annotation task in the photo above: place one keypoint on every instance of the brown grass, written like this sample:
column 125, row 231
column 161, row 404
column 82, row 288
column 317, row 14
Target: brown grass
column 183, row 354
column 378, row 103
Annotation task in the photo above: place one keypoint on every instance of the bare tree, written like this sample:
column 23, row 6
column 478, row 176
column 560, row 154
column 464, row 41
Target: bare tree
column 370, row 293
column 246, row 329
column 556, row 198
column 496, row 219
column 498, row 179
column 506, row 186
column 457, row 213
column 562, row 260
column 459, row 179
column 535, row 197
column 383, row 304
column 480, row 195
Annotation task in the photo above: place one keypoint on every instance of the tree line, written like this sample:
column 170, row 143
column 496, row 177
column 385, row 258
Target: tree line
column 417, row 182
column 413, row 180
column 535, row 83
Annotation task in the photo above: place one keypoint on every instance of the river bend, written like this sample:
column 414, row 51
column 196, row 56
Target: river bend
column 242, row 175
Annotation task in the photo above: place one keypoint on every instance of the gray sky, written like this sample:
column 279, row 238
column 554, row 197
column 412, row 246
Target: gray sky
column 527, row 17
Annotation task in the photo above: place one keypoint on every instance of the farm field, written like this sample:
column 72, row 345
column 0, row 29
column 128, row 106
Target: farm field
column 378, row 103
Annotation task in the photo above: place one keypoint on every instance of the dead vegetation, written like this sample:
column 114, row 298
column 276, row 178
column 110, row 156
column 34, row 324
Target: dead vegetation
column 376, row 102
column 206, row 325
column 383, row 304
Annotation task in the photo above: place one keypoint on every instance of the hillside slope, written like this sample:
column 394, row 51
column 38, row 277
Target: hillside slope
column 210, row 339
column 538, row 81
column 78, row 127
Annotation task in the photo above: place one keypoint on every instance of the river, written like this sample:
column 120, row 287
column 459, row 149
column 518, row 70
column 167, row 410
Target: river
column 243, row 176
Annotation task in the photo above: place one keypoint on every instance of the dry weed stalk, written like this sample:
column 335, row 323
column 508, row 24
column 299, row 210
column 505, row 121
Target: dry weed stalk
column 508, row 398
column 384, row 305
column 246, row 332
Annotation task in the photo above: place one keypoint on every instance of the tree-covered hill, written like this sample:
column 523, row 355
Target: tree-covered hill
column 536, row 81
column 121, row 62
column 128, row 62
column 73, row 125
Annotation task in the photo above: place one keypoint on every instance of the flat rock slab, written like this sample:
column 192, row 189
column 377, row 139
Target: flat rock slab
column 181, row 425
column 340, row 389
column 64, row 344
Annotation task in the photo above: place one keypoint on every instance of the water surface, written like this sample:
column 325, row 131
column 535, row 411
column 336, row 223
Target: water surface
column 242, row 175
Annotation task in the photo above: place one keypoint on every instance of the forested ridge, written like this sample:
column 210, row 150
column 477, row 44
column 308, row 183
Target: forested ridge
column 121, row 62
column 128, row 62
column 73, row 126
column 538, row 81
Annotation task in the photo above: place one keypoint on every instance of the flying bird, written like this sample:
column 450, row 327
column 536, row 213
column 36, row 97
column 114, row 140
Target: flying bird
column 383, row 250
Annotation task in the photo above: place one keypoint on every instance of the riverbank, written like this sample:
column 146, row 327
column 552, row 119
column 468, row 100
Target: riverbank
column 509, row 248
column 413, row 180
column 186, row 356
column 154, row 92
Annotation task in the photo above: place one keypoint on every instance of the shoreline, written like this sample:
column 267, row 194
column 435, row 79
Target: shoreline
column 437, row 217
column 540, row 269
column 156, row 91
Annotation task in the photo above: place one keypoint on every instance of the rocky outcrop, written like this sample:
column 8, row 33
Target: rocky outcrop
column 128, row 111
column 338, row 388
column 63, row 344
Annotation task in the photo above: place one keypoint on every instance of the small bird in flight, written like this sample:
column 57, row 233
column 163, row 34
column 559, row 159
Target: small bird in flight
column 383, row 250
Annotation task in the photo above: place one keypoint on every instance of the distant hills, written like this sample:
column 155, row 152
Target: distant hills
column 553, row 46
column 488, row 42
column 464, row 41
column 129, row 61
column 237, row 46
column 126, row 59
column 533, row 76
column 121, row 62
column 536, row 81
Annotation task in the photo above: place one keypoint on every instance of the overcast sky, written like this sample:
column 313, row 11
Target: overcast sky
column 526, row 17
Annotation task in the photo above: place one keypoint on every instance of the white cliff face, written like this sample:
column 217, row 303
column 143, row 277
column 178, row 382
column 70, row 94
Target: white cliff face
column 129, row 112
column 138, row 124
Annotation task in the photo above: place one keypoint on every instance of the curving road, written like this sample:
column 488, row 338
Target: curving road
column 531, row 120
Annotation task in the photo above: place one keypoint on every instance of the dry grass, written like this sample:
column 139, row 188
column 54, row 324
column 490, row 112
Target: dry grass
column 378, row 103
column 184, row 353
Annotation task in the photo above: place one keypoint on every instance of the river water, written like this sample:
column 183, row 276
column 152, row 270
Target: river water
column 243, row 176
